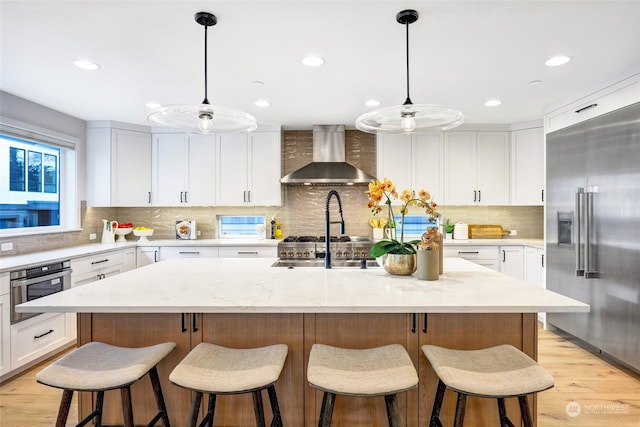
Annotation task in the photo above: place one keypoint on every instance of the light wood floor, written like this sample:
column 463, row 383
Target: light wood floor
column 598, row 392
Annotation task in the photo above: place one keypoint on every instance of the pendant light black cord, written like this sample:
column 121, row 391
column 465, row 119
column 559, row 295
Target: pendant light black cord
column 206, row 101
column 408, row 100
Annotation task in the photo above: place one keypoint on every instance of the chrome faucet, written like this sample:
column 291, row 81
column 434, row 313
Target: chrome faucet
column 327, row 226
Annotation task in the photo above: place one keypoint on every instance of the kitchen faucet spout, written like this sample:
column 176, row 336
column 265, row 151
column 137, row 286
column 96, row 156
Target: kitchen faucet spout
column 327, row 226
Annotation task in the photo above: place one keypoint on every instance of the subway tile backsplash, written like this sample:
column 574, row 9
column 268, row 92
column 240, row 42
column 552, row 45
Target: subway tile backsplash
column 303, row 210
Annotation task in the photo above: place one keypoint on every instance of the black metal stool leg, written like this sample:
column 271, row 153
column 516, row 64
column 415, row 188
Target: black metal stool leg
column 275, row 408
column 526, row 413
column 98, row 409
column 393, row 414
column 504, row 420
column 326, row 413
column 157, row 392
column 195, row 408
column 437, row 405
column 258, row 408
column 63, row 411
column 460, row 408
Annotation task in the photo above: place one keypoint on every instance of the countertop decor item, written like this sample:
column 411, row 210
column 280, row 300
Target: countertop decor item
column 143, row 233
column 409, row 117
column 383, row 192
column 204, row 117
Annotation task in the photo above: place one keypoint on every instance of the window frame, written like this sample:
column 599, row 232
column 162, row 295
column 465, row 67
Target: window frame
column 67, row 184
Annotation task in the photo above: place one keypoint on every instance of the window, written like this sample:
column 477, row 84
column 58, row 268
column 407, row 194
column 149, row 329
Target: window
column 37, row 182
column 414, row 225
column 239, row 226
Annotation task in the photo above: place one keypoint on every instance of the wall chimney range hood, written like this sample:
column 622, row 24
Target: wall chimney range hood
column 328, row 165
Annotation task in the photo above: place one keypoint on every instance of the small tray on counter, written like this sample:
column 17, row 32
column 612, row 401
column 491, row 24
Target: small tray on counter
column 486, row 231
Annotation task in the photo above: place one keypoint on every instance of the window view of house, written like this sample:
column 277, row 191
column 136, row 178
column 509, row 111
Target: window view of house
column 29, row 187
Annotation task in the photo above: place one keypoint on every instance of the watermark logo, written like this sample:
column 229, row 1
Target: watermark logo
column 573, row 409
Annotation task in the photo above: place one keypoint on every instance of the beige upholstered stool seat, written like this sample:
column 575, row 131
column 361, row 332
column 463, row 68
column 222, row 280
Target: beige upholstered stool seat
column 361, row 372
column 381, row 371
column 97, row 367
column 497, row 372
column 493, row 372
column 213, row 369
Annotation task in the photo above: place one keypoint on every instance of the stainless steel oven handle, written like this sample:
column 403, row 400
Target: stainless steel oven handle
column 26, row 282
column 578, row 243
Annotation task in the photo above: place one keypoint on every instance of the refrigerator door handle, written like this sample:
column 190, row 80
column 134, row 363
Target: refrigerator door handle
column 578, row 225
column 589, row 271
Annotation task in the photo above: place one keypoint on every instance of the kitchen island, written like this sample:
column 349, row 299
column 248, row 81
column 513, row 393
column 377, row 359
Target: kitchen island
column 246, row 302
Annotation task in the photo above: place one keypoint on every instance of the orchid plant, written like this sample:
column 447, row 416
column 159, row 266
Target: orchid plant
column 382, row 193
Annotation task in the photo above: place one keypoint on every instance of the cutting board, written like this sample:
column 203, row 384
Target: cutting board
column 484, row 231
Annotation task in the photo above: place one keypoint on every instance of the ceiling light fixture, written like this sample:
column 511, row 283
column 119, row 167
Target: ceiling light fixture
column 204, row 117
column 372, row 103
column 152, row 105
column 313, row 61
column 409, row 117
column 86, row 64
column 557, row 60
column 262, row 103
column 492, row 103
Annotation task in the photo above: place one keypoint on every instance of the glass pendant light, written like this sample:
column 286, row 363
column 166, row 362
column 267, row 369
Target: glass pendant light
column 204, row 117
column 409, row 117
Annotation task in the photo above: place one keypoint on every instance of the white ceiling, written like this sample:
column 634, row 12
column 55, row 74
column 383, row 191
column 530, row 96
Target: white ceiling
column 462, row 54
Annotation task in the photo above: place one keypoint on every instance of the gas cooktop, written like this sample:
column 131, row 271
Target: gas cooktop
column 314, row 247
column 321, row 239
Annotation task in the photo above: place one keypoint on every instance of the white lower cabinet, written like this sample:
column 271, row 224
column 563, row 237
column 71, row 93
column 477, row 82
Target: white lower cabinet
column 5, row 334
column 486, row 256
column 147, row 255
column 168, row 252
column 96, row 267
column 248, row 252
column 36, row 337
column 535, row 270
column 512, row 261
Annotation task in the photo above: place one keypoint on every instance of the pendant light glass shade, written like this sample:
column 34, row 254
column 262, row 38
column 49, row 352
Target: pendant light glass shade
column 409, row 117
column 203, row 117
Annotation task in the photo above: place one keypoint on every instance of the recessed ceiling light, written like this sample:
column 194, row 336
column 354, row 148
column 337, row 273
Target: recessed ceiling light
column 535, row 82
column 313, row 61
column 372, row 103
column 492, row 103
column 258, row 83
column 262, row 103
column 557, row 60
column 85, row 64
column 152, row 105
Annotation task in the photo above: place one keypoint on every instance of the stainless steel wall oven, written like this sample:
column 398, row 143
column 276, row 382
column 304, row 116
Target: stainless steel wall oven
column 36, row 282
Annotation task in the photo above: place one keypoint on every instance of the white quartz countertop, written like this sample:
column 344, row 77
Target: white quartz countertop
column 226, row 285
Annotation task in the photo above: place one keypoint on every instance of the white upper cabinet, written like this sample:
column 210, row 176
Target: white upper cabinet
column 118, row 165
column 476, row 168
column 184, row 169
column 248, row 169
column 527, row 167
column 413, row 162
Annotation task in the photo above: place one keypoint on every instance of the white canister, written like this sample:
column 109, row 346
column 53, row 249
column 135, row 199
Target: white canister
column 461, row 231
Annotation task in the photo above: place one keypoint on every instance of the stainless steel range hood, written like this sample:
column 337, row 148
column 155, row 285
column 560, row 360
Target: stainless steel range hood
column 328, row 165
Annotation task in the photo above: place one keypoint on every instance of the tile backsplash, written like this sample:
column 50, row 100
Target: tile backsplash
column 302, row 212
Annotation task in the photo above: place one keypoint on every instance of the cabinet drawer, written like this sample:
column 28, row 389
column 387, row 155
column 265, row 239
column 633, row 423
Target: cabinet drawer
column 248, row 252
column 37, row 336
column 616, row 96
column 168, row 252
column 96, row 262
column 473, row 252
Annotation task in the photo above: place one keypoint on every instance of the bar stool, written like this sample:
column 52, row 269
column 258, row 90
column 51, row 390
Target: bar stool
column 97, row 367
column 381, row 371
column 496, row 372
column 217, row 370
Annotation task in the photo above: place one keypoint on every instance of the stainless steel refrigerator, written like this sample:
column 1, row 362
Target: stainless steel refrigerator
column 593, row 230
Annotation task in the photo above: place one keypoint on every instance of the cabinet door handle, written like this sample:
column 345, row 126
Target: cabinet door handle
column 580, row 110
column 189, row 252
column 99, row 262
column 184, row 326
column 249, row 196
column 155, row 256
column 185, row 197
column 413, row 324
column 50, row 331
column 468, row 252
column 194, row 325
column 475, row 195
column 542, row 196
column 149, row 197
column 247, row 252
column 181, row 201
column 424, row 327
column 244, row 196
column 479, row 196
column 504, row 256
column 542, row 262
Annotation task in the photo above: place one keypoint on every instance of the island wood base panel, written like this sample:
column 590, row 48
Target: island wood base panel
column 299, row 403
